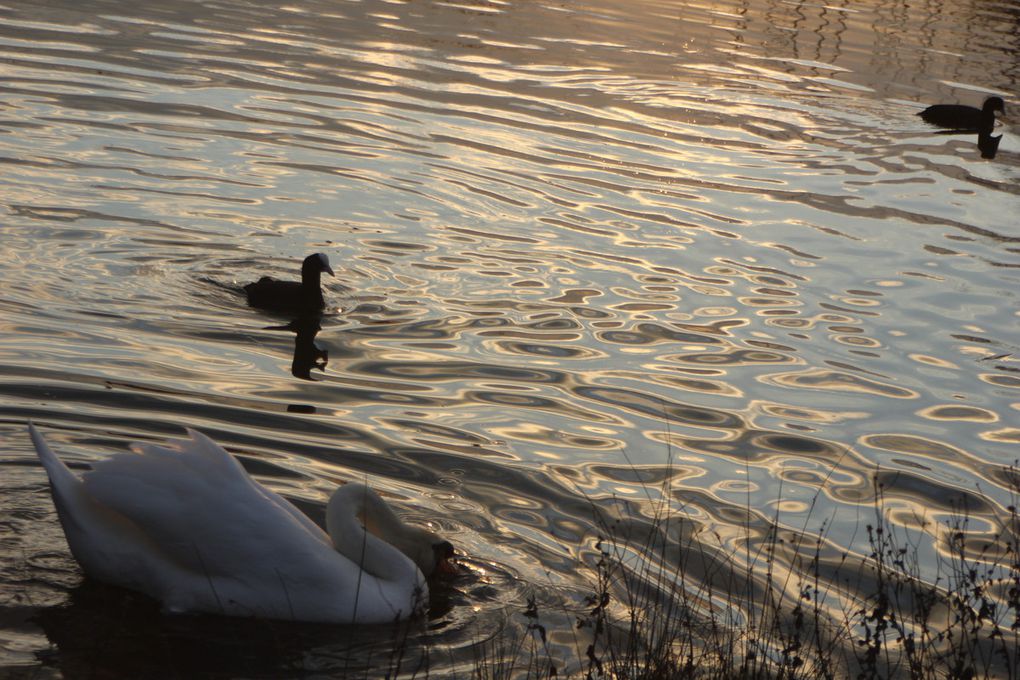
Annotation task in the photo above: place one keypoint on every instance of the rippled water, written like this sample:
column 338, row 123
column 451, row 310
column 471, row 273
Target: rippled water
column 588, row 257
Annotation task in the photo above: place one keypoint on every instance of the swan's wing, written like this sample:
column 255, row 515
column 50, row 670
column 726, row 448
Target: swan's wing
column 217, row 458
column 196, row 503
column 301, row 517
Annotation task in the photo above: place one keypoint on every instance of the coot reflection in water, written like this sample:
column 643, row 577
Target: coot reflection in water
column 307, row 354
column 988, row 145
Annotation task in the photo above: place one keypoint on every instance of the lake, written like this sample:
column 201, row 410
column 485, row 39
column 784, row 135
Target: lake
column 600, row 270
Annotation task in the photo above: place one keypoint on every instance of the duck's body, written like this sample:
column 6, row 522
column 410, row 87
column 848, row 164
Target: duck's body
column 292, row 297
column 188, row 527
column 964, row 118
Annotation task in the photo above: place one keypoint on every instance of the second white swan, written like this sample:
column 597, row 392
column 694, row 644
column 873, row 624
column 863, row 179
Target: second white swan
column 186, row 525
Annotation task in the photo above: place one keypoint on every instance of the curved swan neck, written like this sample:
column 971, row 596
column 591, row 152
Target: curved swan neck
column 348, row 507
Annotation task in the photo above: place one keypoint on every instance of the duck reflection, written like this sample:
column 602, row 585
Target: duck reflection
column 961, row 119
column 988, row 145
column 307, row 355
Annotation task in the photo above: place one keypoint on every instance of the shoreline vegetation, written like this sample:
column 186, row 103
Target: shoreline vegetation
column 663, row 606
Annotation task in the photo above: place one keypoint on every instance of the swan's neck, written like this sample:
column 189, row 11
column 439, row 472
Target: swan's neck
column 349, row 506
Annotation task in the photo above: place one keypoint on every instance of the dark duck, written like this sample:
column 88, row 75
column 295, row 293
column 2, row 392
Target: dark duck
column 964, row 118
column 292, row 297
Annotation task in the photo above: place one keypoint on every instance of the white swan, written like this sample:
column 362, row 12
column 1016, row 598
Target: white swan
column 187, row 526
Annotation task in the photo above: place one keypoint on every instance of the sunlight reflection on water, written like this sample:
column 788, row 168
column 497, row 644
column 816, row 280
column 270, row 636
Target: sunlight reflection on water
column 588, row 258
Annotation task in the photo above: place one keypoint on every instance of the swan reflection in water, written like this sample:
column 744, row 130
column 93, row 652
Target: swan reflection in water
column 186, row 525
column 102, row 631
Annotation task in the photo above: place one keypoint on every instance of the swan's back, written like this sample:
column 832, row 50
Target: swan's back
column 187, row 525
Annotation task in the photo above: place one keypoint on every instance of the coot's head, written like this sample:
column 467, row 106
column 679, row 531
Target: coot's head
column 993, row 104
column 443, row 553
column 315, row 264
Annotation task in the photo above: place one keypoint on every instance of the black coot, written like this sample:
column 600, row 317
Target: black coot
column 292, row 297
column 964, row 118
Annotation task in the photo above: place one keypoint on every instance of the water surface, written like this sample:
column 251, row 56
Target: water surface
column 590, row 260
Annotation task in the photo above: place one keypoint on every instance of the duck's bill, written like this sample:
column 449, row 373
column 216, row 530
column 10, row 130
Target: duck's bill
column 447, row 567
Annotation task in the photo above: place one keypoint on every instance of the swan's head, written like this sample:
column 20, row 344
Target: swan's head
column 428, row 550
column 316, row 263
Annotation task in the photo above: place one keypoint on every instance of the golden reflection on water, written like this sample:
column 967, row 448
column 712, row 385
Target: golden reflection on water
column 591, row 260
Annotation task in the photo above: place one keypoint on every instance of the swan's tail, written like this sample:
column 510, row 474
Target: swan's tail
column 62, row 479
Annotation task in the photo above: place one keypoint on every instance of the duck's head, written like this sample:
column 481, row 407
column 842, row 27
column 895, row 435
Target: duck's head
column 993, row 104
column 443, row 553
column 315, row 264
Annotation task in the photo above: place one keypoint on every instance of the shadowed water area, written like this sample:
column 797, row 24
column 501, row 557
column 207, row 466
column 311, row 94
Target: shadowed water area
column 591, row 258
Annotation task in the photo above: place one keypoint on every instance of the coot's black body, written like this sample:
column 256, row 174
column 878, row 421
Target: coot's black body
column 964, row 118
column 292, row 297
